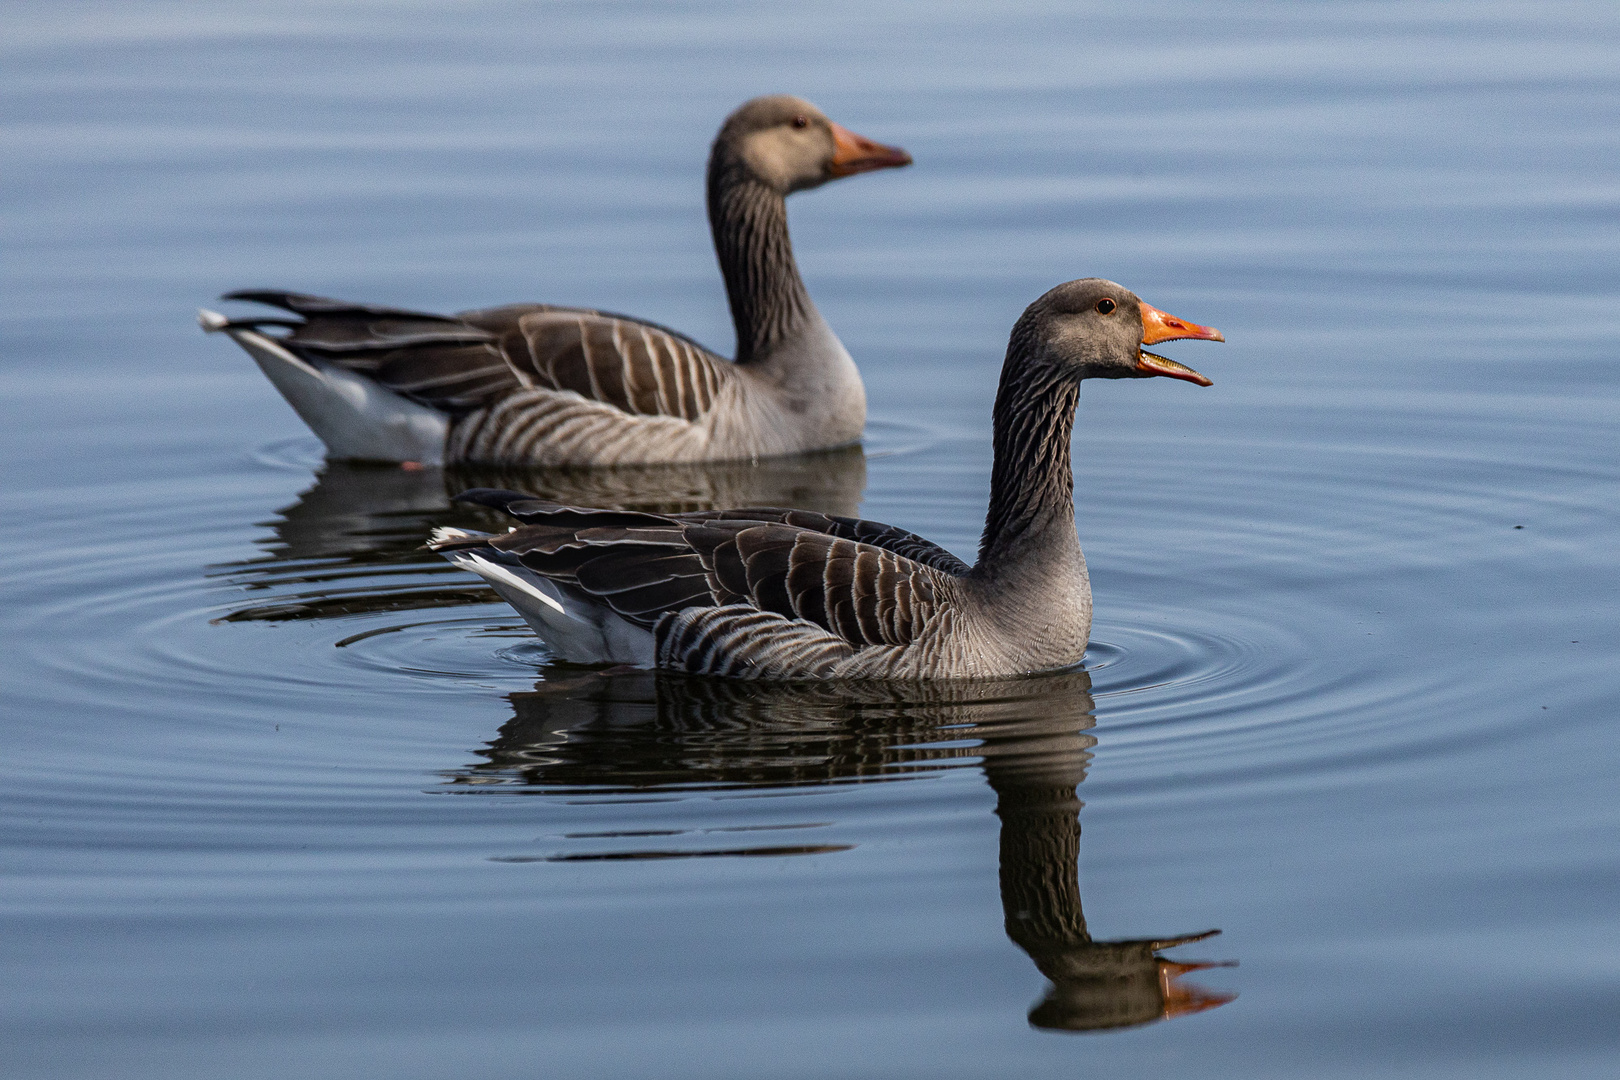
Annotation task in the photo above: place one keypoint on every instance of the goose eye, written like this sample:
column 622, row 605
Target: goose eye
column 801, row 121
column 1106, row 305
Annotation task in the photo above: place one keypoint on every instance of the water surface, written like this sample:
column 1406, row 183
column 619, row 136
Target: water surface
column 284, row 793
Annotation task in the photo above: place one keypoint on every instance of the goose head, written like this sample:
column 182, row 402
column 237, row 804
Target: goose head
column 1097, row 328
column 789, row 145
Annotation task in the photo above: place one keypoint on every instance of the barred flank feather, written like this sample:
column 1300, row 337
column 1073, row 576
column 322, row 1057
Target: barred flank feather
column 743, row 642
column 548, row 427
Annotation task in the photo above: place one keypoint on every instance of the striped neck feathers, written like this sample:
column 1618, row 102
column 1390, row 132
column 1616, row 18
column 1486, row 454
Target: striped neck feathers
column 748, row 220
column 1031, row 514
column 1040, row 855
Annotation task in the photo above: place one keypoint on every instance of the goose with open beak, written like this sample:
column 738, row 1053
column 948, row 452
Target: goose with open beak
column 791, row 594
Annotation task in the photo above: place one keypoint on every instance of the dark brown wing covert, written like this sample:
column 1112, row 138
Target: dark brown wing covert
column 645, row 565
column 641, row 368
column 865, row 595
column 464, row 362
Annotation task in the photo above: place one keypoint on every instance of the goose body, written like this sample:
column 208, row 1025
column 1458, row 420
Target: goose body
column 773, row 593
column 546, row 385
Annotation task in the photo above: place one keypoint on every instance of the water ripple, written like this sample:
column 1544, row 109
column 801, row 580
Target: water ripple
column 348, row 603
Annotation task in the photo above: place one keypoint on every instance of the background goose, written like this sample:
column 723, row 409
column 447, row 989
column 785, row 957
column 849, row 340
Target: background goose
column 795, row 594
column 536, row 384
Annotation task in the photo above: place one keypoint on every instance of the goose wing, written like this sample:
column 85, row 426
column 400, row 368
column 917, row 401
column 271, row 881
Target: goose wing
column 638, row 367
column 460, row 363
column 768, row 562
column 908, row 545
column 888, row 537
column 437, row 360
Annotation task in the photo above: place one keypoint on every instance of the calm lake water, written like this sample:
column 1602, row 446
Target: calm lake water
column 285, row 796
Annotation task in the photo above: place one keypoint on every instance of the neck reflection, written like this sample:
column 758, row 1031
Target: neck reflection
column 639, row 732
column 1096, row 985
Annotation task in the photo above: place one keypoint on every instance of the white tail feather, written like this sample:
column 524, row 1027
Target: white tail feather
column 496, row 574
column 576, row 628
column 356, row 417
column 212, row 322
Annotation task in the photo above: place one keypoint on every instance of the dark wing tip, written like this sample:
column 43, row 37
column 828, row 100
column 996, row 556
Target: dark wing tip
column 310, row 305
column 281, row 298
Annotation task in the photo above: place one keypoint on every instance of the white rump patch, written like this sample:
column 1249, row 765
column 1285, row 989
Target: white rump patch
column 358, row 419
column 576, row 627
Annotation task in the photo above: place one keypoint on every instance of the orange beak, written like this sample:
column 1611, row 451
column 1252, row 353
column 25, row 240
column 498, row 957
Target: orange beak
column 854, row 153
column 1160, row 326
column 1181, row 998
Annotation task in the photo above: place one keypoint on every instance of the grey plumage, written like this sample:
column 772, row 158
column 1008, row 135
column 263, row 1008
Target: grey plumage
column 772, row 593
column 539, row 384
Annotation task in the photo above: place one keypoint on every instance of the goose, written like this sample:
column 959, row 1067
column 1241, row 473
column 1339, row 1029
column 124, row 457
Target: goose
column 791, row 594
column 543, row 385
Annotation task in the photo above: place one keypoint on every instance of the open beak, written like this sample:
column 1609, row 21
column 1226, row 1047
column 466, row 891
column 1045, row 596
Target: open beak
column 854, row 153
column 1182, row 998
column 1160, row 326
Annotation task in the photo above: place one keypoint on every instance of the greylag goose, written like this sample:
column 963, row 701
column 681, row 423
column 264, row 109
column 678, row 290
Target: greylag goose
column 537, row 384
column 769, row 593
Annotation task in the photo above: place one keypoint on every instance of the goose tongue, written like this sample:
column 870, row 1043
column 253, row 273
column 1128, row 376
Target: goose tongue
column 854, row 153
column 1160, row 326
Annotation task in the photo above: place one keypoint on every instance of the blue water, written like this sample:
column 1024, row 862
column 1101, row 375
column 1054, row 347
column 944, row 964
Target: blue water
column 283, row 794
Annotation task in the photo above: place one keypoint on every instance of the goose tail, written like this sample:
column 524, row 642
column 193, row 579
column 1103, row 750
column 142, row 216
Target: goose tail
column 575, row 627
column 357, row 417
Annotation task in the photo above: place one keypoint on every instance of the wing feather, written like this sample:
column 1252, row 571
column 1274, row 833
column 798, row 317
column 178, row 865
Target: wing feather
column 767, row 553
column 806, row 582
column 468, row 361
column 907, row 545
column 648, row 567
column 637, row 367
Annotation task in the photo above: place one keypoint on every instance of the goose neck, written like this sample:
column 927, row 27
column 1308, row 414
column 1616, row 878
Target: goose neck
column 1040, row 854
column 748, row 220
column 1030, row 523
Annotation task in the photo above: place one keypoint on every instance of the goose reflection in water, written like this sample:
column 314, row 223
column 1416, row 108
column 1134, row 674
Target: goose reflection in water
column 634, row 732
column 352, row 543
